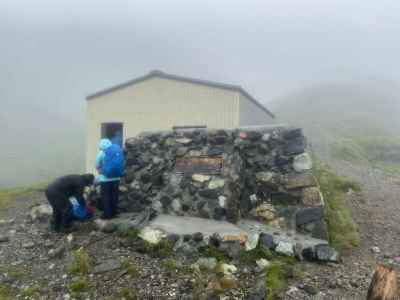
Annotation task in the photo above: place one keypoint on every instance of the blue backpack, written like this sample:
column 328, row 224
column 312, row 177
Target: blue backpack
column 113, row 162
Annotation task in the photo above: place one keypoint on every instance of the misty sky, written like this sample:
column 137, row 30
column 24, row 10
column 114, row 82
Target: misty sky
column 57, row 52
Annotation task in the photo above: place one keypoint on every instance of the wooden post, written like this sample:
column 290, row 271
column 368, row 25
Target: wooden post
column 383, row 284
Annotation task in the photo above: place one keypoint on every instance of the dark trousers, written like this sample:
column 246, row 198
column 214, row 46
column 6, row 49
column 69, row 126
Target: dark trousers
column 62, row 210
column 109, row 198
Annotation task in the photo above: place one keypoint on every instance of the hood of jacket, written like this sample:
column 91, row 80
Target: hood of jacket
column 104, row 144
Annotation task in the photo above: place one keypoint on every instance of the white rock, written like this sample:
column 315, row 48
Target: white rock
column 176, row 205
column 41, row 212
column 200, row 178
column 302, row 162
column 222, row 201
column 228, row 269
column 70, row 238
column 216, row 183
column 252, row 241
column 262, row 263
column 51, row 267
column 66, row 297
column 266, row 137
column 253, row 198
column 157, row 206
column 285, row 248
column 151, row 235
column 183, row 141
column 376, row 250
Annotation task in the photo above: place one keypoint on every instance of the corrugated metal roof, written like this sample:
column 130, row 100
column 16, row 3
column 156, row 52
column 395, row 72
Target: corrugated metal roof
column 160, row 74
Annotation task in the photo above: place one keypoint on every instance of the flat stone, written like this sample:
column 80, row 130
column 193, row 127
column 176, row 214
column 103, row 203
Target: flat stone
column 176, row 205
column 41, row 213
column 264, row 176
column 28, row 245
column 296, row 181
column 200, row 178
column 285, row 248
column 181, row 151
column 326, row 253
column 264, row 211
column 302, row 162
column 312, row 196
column 216, row 183
column 184, row 141
column 252, row 241
column 107, row 266
column 267, row 241
column 57, row 252
column 4, row 238
column 198, row 237
column 307, row 215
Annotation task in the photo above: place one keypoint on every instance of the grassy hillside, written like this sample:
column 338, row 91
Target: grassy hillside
column 356, row 122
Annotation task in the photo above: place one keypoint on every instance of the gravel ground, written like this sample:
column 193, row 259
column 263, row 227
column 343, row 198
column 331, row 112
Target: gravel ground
column 25, row 262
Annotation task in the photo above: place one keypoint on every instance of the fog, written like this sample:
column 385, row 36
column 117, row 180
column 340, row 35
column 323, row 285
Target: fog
column 54, row 53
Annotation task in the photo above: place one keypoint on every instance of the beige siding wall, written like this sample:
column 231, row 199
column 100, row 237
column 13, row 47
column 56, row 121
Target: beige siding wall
column 157, row 104
column 250, row 114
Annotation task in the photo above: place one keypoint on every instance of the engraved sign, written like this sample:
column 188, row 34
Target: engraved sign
column 199, row 165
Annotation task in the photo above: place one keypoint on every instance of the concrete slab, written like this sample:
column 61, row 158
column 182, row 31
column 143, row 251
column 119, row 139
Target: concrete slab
column 189, row 225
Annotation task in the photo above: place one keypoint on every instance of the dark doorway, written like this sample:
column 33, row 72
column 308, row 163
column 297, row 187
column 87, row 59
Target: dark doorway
column 113, row 132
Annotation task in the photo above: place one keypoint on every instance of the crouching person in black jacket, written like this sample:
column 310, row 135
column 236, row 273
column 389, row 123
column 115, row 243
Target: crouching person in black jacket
column 58, row 194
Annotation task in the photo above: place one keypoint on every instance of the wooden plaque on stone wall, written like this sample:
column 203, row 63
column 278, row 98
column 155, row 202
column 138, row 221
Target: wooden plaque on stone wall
column 199, row 165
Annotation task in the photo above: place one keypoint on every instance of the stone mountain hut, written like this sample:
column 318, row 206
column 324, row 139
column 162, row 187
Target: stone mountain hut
column 161, row 101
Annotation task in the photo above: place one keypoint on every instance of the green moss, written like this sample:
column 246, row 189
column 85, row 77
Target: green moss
column 128, row 294
column 32, row 291
column 250, row 257
column 277, row 279
column 343, row 232
column 78, row 286
column 211, row 251
column 5, row 293
column 130, row 267
column 163, row 249
column 13, row 272
column 130, row 234
column 81, row 263
column 170, row 266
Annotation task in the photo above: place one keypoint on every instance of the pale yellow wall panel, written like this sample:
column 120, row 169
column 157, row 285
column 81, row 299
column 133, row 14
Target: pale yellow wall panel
column 159, row 104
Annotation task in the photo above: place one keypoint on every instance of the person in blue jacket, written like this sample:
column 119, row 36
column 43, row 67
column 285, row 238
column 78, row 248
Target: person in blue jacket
column 109, row 187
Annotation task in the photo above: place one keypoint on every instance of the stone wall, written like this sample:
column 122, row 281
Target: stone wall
column 265, row 175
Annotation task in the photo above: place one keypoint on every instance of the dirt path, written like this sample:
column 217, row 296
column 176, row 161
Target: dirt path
column 377, row 213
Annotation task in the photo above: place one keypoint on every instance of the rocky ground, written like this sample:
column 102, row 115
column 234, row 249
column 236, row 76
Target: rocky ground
column 38, row 264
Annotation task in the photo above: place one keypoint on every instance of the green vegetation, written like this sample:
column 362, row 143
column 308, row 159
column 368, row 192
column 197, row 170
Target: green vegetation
column 129, row 234
column 78, row 286
column 162, row 249
column 13, row 272
column 377, row 151
column 170, row 266
column 5, row 293
column 31, row 292
column 250, row 257
column 343, row 232
column 130, row 267
column 211, row 251
column 81, row 263
column 7, row 196
column 277, row 278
